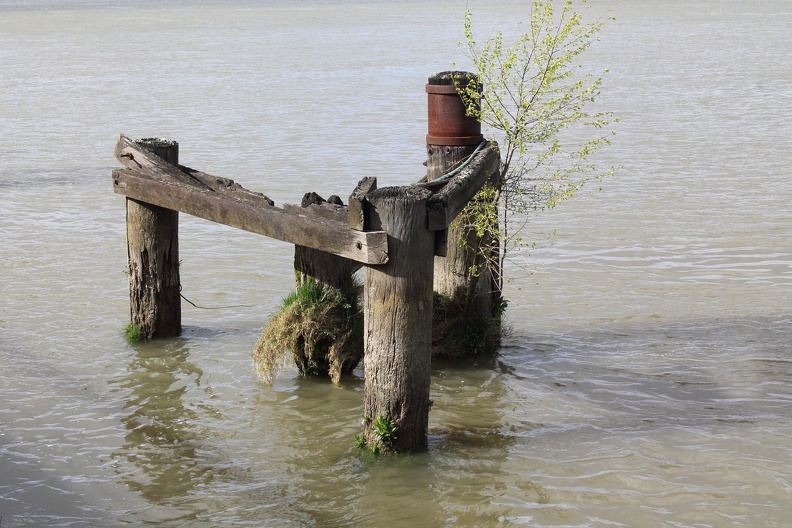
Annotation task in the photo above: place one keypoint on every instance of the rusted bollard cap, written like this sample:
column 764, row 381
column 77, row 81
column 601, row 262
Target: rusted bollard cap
column 448, row 123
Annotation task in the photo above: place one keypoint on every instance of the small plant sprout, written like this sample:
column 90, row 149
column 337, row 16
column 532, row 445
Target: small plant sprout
column 133, row 333
column 384, row 431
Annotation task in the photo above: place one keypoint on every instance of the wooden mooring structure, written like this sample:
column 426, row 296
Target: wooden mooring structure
column 393, row 232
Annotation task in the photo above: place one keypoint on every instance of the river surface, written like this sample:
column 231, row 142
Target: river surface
column 648, row 377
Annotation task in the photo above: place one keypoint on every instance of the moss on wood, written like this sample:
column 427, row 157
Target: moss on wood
column 460, row 331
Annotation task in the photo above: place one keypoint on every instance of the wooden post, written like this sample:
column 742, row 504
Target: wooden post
column 331, row 270
column 153, row 258
column 334, row 274
column 398, row 321
column 451, row 139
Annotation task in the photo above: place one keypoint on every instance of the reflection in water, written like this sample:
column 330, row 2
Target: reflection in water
column 469, row 396
column 470, row 438
column 162, row 440
column 473, row 426
column 315, row 446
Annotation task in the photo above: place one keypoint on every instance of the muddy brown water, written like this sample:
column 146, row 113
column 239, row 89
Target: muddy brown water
column 647, row 381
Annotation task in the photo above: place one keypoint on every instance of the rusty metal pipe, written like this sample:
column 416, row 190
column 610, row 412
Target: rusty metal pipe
column 448, row 123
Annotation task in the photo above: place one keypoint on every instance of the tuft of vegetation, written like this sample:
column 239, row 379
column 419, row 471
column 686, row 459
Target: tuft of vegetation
column 534, row 96
column 384, row 432
column 383, row 436
column 133, row 333
column 319, row 327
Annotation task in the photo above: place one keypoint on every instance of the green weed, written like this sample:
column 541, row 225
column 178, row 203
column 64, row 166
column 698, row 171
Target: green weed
column 133, row 333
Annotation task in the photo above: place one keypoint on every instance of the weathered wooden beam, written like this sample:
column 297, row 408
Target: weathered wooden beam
column 446, row 204
column 132, row 156
column 225, row 185
column 135, row 157
column 318, row 233
column 357, row 203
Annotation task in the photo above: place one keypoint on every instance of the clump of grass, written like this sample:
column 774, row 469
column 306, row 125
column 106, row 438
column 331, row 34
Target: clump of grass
column 457, row 331
column 319, row 327
column 133, row 333
column 384, row 432
column 383, row 436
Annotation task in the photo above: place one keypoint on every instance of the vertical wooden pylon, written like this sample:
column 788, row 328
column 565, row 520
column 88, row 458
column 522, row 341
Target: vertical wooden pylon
column 153, row 258
column 452, row 137
column 398, row 322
